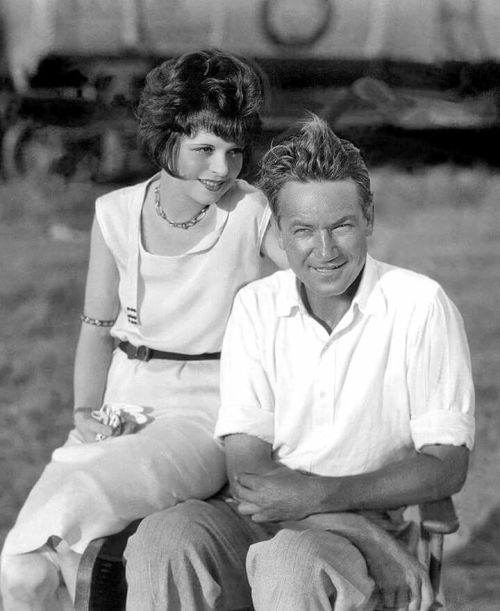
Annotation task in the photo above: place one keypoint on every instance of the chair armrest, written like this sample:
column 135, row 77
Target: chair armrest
column 100, row 584
column 439, row 517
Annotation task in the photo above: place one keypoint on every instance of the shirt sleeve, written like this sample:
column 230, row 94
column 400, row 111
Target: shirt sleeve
column 439, row 377
column 247, row 400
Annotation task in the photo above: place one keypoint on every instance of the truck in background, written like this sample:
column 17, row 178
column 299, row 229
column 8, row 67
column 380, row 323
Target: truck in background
column 72, row 70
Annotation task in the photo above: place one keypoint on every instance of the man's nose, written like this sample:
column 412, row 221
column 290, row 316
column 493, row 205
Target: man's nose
column 326, row 245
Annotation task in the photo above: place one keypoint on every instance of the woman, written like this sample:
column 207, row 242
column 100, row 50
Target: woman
column 167, row 257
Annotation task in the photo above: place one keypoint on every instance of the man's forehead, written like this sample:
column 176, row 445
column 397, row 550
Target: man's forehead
column 316, row 185
column 311, row 198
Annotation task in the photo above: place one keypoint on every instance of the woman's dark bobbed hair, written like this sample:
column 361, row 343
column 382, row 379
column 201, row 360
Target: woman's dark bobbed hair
column 202, row 90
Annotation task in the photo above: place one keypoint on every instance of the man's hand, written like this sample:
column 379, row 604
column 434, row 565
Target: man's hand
column 402, row 581
column 278, row 495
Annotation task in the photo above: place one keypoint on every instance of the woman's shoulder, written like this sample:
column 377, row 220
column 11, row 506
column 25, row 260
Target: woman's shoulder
column 123, row 196
column 114, row 211
column 244, row 197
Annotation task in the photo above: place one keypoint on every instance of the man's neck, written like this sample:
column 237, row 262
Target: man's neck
column 329, row 312
column 329, row 315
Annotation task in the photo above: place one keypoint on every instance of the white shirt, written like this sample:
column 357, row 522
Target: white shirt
column 393, row 376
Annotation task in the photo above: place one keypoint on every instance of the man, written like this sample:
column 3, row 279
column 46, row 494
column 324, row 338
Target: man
column 346, row 395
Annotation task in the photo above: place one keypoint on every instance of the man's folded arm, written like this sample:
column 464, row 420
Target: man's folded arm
column 392, row 567
column 437, row 471
column 281, row 494
column 247, row 454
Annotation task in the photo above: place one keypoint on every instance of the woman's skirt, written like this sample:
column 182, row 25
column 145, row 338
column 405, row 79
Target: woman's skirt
column 90, row 490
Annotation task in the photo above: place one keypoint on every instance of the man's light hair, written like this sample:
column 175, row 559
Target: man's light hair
column 313, row 153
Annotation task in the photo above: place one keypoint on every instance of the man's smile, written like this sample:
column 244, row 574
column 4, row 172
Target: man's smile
column 328, row 268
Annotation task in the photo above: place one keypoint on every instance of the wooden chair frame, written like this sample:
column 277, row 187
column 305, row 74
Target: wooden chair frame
column 101, row 584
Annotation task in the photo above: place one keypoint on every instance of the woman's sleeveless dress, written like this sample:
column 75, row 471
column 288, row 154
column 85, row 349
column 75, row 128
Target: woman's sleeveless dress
column 177, row 304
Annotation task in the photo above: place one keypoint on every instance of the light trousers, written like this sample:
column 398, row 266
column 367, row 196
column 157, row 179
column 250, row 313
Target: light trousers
column 201, row 556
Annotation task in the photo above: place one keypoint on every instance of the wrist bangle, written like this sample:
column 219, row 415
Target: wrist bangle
column 96, row 322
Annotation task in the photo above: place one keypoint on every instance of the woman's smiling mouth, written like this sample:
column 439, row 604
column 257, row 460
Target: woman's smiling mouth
column 212, row 185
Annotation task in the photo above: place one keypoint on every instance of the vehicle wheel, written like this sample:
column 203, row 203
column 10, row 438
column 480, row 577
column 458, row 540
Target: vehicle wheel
column 37, row 154
column 13, row 143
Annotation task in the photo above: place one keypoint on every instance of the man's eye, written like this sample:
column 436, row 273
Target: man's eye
column 300, row 231
column 203, row 149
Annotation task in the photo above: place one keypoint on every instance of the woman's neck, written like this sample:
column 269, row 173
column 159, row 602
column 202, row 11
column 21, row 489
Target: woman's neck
column 160, row 238
column 174, row 200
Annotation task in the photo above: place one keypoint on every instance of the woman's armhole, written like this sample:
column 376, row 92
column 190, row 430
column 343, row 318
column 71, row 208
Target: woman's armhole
column 101, row 290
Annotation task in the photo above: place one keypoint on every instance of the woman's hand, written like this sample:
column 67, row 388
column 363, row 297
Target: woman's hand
column 88, row 426
column 97, row 425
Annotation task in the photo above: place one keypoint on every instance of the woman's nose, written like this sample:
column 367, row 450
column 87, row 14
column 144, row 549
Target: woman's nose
column 219, row 165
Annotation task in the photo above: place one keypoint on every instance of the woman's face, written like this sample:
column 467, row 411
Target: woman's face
column 209, row 166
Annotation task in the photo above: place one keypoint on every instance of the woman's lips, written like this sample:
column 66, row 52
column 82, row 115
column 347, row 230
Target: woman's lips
column 212, row 185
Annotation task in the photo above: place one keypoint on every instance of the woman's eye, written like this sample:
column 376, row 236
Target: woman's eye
column 236, row 152
column 203, row 149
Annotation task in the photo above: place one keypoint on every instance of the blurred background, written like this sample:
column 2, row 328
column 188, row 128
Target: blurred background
column 414, row 84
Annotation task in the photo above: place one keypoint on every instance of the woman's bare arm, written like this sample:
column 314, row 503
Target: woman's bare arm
column 95, row 344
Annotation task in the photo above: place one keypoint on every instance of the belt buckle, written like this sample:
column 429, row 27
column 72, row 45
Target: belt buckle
column 141, row 353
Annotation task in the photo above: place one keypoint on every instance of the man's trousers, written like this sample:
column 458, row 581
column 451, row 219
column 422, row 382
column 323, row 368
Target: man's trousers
column 201, row 556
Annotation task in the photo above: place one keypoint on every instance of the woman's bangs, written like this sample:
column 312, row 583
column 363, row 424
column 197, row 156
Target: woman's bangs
column 238, row 130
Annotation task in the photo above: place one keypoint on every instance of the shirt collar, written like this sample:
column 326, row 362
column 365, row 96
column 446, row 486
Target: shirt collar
column 369, row 298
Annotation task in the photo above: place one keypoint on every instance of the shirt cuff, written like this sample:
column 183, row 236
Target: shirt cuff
column 248, row 420
column 443, row 427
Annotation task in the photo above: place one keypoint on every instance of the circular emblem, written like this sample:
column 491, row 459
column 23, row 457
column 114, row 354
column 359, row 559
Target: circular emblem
column 296, row 23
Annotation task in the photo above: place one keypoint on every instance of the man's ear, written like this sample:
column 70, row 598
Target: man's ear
column 277, row 232
column 272, row 246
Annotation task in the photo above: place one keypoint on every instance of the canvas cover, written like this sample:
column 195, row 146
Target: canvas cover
column 415, row 30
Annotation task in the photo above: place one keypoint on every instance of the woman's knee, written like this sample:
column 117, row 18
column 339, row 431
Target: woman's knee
column 28, row 577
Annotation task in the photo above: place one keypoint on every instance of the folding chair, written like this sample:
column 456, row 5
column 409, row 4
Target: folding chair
column 101, row 584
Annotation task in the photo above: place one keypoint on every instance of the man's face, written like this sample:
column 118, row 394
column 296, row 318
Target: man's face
column 324, row 233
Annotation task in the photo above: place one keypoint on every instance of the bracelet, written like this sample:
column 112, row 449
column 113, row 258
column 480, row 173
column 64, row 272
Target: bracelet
column 96, row 322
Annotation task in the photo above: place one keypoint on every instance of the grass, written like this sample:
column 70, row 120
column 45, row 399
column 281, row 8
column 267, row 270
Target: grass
column 443, row 221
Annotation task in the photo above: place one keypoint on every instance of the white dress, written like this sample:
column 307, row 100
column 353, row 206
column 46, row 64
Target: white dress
column 170, row 303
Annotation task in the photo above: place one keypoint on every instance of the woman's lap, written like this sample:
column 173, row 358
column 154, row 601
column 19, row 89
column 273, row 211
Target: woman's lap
column 90, row 490
column 93, row 489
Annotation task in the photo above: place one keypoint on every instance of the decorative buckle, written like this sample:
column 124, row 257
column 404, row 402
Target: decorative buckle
column 141, row 353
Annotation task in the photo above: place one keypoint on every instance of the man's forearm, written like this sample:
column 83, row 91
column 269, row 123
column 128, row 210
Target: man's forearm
column 270, row 491
column 437, row 472
column 359, row 529
column 247, row 454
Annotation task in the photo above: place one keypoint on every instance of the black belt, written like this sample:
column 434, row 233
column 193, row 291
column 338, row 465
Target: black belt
column 143, row 353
